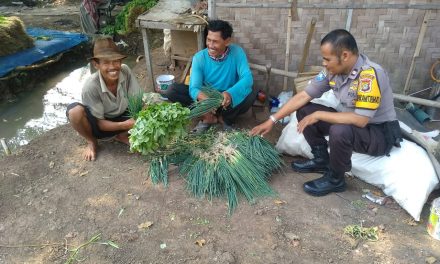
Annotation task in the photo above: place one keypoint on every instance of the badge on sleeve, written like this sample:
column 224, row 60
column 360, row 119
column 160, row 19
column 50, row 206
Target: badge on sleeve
column 321, row 76
column 368, row 92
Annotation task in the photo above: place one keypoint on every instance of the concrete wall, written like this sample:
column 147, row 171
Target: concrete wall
column 386, row 36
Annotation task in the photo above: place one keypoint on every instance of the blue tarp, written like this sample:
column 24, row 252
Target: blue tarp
column 60, row 41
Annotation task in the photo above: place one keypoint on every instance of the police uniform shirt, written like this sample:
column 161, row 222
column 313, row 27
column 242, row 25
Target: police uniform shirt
column 101, row 101
column 365, row 91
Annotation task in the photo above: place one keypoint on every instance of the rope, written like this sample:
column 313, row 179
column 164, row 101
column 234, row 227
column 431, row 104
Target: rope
column 433, row 77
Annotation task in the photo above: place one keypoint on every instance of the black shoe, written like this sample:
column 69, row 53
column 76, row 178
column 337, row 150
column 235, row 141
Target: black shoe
column 309, row 166
column 318, row 164
column 330, row 182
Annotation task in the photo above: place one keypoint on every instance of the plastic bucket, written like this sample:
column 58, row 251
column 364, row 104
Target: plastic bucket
column 434, row 219
column 163, row 81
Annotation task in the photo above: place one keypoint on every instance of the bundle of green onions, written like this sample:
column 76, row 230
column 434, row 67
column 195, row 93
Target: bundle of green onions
column 227, row 164
column 213, row 164
column 214, row 101
column 135, row 104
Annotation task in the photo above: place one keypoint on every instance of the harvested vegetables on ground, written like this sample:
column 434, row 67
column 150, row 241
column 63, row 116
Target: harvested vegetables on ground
column 157, row 126
column 223, row 164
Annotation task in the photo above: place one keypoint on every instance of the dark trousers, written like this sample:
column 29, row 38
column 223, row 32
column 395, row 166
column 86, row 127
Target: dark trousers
column 343, row 139
column 96, row 132
column 179, row 92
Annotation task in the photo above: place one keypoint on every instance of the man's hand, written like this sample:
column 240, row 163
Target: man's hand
column 307, row 121
column 128, row 124
column 263, row 128
column 227, row 100
column 201, row 96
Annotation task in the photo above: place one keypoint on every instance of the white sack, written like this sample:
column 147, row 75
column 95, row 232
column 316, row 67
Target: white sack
column 407, row 175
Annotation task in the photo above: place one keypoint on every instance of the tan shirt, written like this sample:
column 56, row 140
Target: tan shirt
column 365, row 91
column 103, row 103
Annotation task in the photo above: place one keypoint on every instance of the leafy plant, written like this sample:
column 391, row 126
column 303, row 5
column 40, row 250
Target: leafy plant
column 125, row 20
column 157, row 126
column 360, row 232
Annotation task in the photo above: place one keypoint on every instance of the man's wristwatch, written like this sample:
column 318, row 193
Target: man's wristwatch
column 273, row 119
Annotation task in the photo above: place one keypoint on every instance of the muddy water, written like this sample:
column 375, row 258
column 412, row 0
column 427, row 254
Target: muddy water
column 43, row 108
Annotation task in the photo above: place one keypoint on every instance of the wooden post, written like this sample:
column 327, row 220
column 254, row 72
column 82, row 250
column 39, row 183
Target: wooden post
column 211, row 9
column 148, row 56
column 349, row 18
column 307, row 46
column 287, row 59
column 416, row 52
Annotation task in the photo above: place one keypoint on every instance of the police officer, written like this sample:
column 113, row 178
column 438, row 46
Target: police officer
column 364, row 121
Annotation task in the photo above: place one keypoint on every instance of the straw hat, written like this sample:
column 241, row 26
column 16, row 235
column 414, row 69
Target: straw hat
column 105, row 48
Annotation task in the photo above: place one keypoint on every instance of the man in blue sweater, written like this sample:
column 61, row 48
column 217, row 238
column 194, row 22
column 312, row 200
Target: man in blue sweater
column 223, row 66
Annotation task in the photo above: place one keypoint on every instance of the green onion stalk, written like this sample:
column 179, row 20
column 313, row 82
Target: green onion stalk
column 225, row 170
column 135, row 104
column 214, row 101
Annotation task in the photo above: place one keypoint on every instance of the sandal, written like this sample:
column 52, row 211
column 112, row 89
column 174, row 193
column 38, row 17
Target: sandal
column 200, row 128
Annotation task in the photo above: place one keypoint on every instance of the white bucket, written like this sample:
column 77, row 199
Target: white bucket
column 163, row 81
column 434, row 219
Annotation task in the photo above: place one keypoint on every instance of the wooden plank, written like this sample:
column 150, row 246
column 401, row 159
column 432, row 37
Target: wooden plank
column 255, row 67
column 167, row 25
column 211, row 9
column 287, row 58
column 273, row 70
column 186, row 70
column 145, row 39
column 332, row 6
column 416, row 52
column 307, row 45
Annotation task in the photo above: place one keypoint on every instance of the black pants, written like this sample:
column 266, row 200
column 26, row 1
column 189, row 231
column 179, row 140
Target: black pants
column 179, row 92
column 96, row 132
column 343, row 139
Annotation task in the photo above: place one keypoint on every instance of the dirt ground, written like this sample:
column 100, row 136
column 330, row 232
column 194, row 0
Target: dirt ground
column 51, row 201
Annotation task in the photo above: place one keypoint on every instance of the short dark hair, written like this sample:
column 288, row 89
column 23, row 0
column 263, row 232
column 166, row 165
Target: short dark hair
column 341, row 39
column 220, row 25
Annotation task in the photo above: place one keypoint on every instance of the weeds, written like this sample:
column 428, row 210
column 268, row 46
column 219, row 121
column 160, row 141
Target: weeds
column 364, row 233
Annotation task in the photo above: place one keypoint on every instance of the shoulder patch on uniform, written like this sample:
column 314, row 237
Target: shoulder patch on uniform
column 321, row 76
column 368, row 92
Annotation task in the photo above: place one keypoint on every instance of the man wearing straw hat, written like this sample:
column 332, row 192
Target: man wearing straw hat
column 103, row 111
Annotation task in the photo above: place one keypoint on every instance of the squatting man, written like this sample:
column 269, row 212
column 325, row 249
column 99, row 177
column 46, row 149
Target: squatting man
column 364, row 121
column 103, row 111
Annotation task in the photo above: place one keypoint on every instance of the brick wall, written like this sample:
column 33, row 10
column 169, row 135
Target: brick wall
column 386, row 36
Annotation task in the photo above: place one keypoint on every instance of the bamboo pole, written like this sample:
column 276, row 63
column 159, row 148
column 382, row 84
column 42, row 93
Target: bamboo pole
column 253, row 66
column 416, row 100
column 416, row 52
column 307, row 45
column 287, row 59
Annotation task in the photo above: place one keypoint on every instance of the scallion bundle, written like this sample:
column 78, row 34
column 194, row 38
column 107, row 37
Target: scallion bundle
column 214, row 101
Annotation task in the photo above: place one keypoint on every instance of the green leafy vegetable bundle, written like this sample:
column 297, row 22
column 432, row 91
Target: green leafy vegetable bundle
column 222, row 164
column 157, row 126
